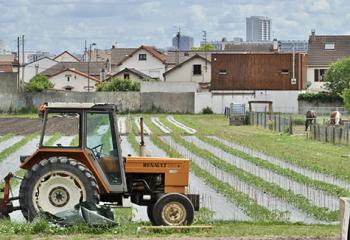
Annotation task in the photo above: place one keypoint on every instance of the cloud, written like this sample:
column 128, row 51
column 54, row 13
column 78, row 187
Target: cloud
column 57, row 25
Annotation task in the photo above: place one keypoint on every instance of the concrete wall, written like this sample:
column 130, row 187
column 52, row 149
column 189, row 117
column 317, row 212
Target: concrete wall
column 173, row 87
column 8, row 82
column 320, row 107
column 184, row 73
column 168, row 102
column 283, row 101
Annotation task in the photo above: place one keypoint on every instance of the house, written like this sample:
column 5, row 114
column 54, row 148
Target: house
column 323, row 51
column 145, row 59
column 66, row 57
column 37, row 67
column 258, row 71
column 195, row 69
column 8, row 63
column 132, row 74
column 73, row 80
column 94, row 69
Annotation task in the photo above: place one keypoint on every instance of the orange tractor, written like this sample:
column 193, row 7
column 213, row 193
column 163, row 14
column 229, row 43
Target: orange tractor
column 92, row 169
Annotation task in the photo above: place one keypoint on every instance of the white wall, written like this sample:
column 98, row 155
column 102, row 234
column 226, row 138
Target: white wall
column 43, row 64
column 173, row 87
column 315, row 86
column 65, row 57
column 78, row 82
column 184, row 73
column 152, row 66
column 132, row 76
column 283, row 101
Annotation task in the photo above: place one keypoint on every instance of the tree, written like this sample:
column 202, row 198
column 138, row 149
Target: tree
column 346, row 98
column 118, row 85
column 337, row 76
column 206, row 47
column 38, row 83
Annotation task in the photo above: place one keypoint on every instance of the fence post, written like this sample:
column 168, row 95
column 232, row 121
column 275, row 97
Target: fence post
column 333, row 137
column 279, row 122
column 290, row 125
column 326, row 134
column 274, row 123
column 340, row 135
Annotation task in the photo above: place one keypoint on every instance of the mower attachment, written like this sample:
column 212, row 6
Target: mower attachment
column 6, row 206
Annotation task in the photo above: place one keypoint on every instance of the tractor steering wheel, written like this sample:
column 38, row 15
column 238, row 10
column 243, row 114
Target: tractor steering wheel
column 97, row 150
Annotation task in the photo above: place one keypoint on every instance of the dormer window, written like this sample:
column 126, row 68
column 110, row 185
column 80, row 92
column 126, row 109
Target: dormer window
column 329, row 46
column 142, row 57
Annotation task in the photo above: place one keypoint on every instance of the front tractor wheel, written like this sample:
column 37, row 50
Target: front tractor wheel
column 55, row 185
column 173, row 209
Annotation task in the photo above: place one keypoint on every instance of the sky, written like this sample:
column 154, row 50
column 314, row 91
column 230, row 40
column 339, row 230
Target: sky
column 58, row 25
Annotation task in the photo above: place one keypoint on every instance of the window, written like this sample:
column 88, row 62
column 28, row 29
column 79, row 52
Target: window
column 64, row 124
column 222, row 72
column 126, row 76
column 197, row 69
column 319, row 75
column 329, row 46
column 142, row 57
column 99, row 139
column 284, row 71
column 68, row 77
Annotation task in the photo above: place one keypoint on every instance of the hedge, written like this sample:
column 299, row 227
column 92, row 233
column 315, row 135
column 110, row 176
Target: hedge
column 320, row 97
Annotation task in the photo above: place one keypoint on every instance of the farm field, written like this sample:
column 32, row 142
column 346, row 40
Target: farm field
column 252, row 181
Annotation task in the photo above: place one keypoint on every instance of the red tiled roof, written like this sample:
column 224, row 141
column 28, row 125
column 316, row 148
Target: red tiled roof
column 154, row 52
column 77, row 72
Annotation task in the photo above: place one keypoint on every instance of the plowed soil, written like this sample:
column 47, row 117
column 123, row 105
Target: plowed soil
column 23, row 126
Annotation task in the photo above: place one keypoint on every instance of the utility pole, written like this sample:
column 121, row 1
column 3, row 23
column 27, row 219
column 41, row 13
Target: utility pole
column 18, row 63
column 178, row 35
column 205, row 49
column 91, row 44
column 85, row 57
column 22, row 80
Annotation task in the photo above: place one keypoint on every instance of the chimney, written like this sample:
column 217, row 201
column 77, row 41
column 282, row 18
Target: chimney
column 313, row 36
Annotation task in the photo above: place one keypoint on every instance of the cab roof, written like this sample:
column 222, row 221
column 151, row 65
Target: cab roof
column 76, row 105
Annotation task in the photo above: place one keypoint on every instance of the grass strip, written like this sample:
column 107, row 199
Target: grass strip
column 53, row 139
column 8, row 151
column 6, row 137
column 297, row 200
column 75, row 141
column 132, row 132
column 326, row 187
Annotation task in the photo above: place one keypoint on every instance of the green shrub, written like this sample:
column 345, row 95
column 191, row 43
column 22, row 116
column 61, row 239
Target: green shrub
column 207, row 110
column 320, row 97
column 337, row 77
column 38, row 83
column 119, row 85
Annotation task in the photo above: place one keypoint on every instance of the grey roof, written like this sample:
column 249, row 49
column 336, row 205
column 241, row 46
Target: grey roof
column 318, row 56
column 134, row 71
column 118, row 54
column 249, row 47
column 171, row 56
column 95, row 68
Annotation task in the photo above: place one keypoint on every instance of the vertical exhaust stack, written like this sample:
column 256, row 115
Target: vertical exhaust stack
column 142, row 142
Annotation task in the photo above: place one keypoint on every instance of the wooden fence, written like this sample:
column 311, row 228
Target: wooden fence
column 330, row 133
column 274, row 121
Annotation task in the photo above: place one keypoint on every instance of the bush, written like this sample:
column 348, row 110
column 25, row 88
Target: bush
column 346, row 98
column 207, row 110
column 320, row 97
column 119, row 85
column 337, row 77
column 38, row 83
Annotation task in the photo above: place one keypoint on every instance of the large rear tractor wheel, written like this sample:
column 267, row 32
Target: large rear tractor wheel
column 173, row 209
column 56, row 184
